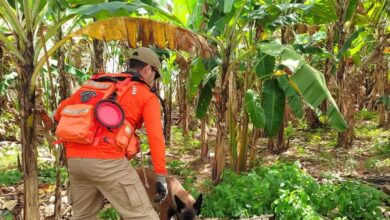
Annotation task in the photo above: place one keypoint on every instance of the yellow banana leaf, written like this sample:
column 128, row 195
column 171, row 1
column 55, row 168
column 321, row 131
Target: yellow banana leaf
column 145, row 32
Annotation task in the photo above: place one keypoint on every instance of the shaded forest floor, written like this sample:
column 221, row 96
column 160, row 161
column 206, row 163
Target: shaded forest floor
column 368, row 158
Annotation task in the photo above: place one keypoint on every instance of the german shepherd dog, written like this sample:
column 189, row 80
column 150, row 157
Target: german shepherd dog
column 179, row 203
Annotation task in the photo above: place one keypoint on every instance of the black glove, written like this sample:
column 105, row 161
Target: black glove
column 162, row 189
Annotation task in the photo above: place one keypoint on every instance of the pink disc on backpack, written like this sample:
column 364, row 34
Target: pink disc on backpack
column 109, row 114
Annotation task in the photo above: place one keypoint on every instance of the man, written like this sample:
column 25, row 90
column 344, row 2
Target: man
column 102, row 171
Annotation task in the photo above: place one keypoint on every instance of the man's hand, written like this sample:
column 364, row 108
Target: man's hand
column 162, row 189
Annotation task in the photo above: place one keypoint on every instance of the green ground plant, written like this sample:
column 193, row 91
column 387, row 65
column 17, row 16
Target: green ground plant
column 109, row 214
column 9, row 128
column 10, row 177
column 46, row 174
column 290, row 193
column 365, row 114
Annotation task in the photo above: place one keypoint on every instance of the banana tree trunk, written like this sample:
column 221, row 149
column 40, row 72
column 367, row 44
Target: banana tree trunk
column 387, row 126
column 168, row 115
column 328, row 63
column 28, row 139
column 233, row 121
column 312, row 119
column 222, row 93
column 252, row 154
column 380, row 81
column 98, row 53
column 278, row 145
column 204, row 140
column 2, row 98
column 243, row 146
column 345, row 138
column 64, row 87
column 186, row 117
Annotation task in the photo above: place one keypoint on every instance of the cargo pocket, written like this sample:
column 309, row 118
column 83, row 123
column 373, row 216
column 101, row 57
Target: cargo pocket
column 130, row 186
column 123, row 135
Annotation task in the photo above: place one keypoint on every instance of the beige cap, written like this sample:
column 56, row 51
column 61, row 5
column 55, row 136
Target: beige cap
column 147, row 56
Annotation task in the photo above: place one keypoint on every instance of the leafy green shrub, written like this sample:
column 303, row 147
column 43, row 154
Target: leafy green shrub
column 359, row 201
column 11, row 177
column 109, row 214
column 47, row 173
column 290, row 193
column 179, row 168
column 9, row 129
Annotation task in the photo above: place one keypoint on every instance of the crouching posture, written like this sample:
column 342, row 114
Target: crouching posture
column 97, row 126
column 179, row 203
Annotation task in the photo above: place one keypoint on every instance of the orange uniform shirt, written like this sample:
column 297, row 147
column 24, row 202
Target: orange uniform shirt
column 140, row 106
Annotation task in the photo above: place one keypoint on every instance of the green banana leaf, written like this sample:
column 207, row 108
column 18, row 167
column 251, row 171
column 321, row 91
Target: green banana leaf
column 273, row 105
column 306, row 81
column 311, row 84
column 265, row 65
column 205, row 96
column 293, row 98
column 198, row 70
column 254, row 108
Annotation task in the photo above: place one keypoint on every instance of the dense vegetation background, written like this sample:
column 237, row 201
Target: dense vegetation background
column 273, row 108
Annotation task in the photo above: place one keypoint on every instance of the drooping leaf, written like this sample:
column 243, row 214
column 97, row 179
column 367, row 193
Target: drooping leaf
column 291, row 59
column 265, row 65
column 218, row 21
column 293, row 98
column 183, row 9
column 272, row 48
column 149, row 32
column 254, row 108
column 351, row 9
column 273, row 105
column 265, row 14
column 321, row 12
column 227, row 6
column 196, row 18
column 349, row 41
column 84, row 2
column 291, row 13
column 205, row 96
column 197, row 73
column 311, row 85
column 107, row 10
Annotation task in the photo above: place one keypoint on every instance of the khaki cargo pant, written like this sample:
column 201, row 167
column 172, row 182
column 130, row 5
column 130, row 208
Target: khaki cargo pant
column 92, row 180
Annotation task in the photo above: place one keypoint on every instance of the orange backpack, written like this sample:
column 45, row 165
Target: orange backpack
column 78, row 122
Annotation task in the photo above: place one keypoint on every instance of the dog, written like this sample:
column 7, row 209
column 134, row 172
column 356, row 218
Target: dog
column 178, row 203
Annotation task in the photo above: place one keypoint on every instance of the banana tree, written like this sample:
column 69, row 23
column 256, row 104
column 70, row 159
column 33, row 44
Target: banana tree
column 24, row 18
column 264, row 97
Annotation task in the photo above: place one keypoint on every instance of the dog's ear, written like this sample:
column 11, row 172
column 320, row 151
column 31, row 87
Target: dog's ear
column 198, row 204
column 180, row 204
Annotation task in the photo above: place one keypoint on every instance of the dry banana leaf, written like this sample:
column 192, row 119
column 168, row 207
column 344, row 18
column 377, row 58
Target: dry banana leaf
column 146, row 32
